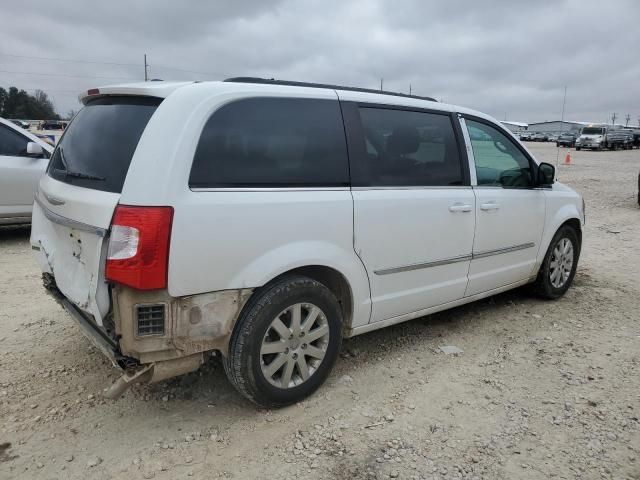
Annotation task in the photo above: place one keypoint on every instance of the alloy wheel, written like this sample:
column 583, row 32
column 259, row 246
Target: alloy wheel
column 294, row 345
column 561, row 263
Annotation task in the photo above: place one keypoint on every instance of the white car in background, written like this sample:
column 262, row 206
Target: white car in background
column 268, row 220
column 23, row 160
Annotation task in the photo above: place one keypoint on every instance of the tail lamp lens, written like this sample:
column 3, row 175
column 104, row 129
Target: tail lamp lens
column 138, row 253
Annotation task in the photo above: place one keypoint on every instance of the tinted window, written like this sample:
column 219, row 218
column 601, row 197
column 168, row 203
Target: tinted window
column 272, row 142
column 406, row 148
column 96, row 149
column 12, row 143
column 592, row 131
column 499, row 162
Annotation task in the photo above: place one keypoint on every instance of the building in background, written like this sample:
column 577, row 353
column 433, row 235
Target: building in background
column 557, row 126
column 514, row 126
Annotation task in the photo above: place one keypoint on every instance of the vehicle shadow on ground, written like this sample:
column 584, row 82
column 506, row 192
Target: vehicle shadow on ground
column 12, row 233
column 209, row 385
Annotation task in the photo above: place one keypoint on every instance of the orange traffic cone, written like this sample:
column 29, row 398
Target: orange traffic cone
column 567, row 159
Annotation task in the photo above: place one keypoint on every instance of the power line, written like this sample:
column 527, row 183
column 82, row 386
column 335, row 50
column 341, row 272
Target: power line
column 181, row 70
column 69, row 60
column 66, row 75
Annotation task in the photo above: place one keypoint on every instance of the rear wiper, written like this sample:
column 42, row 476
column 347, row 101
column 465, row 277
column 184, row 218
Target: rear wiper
column 70, row 173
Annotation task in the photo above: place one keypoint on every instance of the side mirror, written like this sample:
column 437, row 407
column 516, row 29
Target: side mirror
column 546, row 175
column 34, row 150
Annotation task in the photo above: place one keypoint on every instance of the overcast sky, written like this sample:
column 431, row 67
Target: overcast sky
column 502, row 57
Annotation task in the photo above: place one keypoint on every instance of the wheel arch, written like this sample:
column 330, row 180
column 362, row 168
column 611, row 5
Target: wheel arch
column 568, row 215
column 334, row 281
column 576, row 225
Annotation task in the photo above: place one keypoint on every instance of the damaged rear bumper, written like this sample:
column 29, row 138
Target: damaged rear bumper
column 192, row 326
column 96, row 335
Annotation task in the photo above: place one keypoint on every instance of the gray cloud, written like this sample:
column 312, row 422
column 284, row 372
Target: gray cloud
column 501, row 57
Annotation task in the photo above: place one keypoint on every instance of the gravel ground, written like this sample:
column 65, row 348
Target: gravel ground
column 542, row 390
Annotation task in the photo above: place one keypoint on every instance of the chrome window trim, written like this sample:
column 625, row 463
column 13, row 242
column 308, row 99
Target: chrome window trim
column 271, row 189
column 67, row 222
column 413, row 187
column 448, row 261
column 330, row 189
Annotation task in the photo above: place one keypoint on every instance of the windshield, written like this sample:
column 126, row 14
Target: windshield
column 96, row 149
column 592, row 131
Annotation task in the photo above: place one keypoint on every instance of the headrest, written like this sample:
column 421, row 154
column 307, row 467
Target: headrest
column 403, row 140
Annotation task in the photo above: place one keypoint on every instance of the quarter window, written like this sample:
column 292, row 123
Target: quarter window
column 12, row 143
column 407, row 148
column 499, row 162
column 272, row 142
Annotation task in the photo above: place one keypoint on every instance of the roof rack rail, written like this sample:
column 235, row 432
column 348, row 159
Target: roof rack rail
column 271, row 81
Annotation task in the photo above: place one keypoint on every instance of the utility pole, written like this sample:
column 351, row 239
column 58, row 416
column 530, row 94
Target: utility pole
column 627, row 119
column 613, row 118
column 564, row 101
column 381, row 82
column 409, row 89
column 146, row 69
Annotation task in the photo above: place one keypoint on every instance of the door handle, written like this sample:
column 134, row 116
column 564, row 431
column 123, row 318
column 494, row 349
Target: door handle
column 460, row 207
column 489, row 206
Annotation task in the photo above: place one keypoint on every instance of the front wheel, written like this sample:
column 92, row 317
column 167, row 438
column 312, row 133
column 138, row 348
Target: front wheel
column 559, row 265
column 285, row 342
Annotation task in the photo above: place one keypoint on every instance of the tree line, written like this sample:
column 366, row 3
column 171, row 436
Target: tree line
column 15, row 103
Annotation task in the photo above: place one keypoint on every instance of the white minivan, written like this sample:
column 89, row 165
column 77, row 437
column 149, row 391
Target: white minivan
column 267, row 220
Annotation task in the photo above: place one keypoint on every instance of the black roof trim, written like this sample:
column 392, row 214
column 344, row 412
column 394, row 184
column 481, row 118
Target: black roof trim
column 271, row 81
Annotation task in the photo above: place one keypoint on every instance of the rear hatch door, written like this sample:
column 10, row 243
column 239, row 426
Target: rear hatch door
column 76, row 198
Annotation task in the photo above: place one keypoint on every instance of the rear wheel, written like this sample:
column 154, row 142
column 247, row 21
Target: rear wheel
column 285, row 342
column 559, row 265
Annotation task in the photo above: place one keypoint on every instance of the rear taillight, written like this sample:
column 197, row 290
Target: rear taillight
column 138, row 253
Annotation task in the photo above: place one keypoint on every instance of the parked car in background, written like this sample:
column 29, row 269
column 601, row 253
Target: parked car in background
column 331, row 227
column 21, row 124
column 23, row 160
column 51, row 125
column 628, row 140
column 552, row 137
column 525, row 136
column 539, row 137
column 566, row 140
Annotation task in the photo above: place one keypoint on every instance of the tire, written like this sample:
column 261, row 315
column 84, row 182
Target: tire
column 545, row 285
column 577, row 149
column 247, row 367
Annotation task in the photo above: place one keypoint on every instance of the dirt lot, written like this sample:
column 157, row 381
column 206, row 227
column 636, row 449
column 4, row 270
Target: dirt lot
column 543, row 389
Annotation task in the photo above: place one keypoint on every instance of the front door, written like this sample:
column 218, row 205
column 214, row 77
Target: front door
column 413, row 207
column 19, row 174
column 510, row 212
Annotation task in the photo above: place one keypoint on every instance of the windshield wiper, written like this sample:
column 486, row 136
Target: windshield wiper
column 71, row 173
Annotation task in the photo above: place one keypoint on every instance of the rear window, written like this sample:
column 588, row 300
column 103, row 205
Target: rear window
column 272, row 142
column 96, row 149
